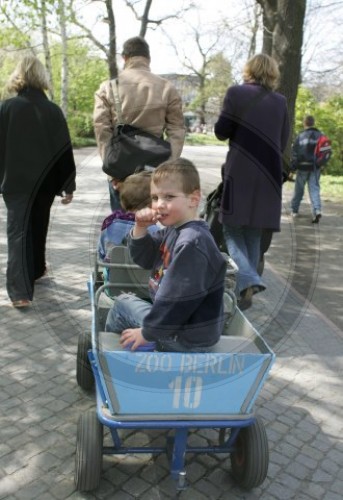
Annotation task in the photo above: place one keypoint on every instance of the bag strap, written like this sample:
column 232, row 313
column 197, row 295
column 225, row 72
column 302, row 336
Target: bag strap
column 115, row 90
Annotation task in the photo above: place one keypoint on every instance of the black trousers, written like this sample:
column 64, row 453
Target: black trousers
column 27, row 229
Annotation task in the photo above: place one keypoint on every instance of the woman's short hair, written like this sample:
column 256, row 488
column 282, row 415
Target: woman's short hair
column 183, row 170
column 29, row 72
column 135, row 191
column 262, row 69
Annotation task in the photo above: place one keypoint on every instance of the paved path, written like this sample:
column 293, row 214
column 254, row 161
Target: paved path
column 301, row 402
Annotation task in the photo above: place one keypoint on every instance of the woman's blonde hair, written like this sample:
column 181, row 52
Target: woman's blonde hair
column 262, row 69
column 29, row 72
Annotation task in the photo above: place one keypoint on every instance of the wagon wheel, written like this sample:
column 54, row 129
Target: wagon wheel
column 84, row 374
column 88, row 457
column 250, row 459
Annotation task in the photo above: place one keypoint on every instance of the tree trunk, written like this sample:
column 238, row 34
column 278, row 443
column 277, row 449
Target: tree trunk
column 254, row 31
column 283, row 23
column 64, row 69
column 112, row 52
column 145, row 18
column 46, row 48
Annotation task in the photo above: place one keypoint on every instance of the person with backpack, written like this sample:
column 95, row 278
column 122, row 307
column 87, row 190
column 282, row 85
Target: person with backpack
column 311, row 151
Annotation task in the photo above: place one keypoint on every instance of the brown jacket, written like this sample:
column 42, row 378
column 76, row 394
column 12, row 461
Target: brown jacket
column 147, row 101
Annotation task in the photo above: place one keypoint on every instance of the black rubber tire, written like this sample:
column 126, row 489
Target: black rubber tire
column 84, row 373
column 88, row 456
column 250, row 460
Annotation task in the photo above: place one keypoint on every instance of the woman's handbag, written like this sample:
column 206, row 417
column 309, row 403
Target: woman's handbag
column 131, row 148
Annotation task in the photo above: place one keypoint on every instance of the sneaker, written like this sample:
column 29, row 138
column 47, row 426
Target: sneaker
column 294, row 214
column 316, row 218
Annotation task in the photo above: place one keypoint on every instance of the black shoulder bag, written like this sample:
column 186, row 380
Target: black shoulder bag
column 131, row 148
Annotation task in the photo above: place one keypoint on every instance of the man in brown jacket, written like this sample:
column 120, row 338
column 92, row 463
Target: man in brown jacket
column 148, row 102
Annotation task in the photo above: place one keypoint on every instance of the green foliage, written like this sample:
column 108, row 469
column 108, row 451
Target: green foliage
column 80, row 125
column 85, row 74
column 220, row 76
column 331, row 187
column 329, row 119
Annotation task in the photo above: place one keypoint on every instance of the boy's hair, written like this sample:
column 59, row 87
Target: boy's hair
column 135, row 191
column 309, row 121
column 136, row 46
column 29, row 72
column 181, row 168
column 262, row 69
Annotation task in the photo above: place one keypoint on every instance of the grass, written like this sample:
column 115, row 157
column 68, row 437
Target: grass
column 83, row 142
column 195, row 139
column 331, row 187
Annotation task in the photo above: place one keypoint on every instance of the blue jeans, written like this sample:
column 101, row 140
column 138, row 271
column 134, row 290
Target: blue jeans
column 129, row 311
column 243, row 244
column 312, row 180
column 114, row 197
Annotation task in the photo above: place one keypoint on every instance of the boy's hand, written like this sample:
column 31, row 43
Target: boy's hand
column 145, row 217
column 132, row 336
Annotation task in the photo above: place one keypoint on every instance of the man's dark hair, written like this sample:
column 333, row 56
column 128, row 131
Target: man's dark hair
column 136, row 46
column 309, row 121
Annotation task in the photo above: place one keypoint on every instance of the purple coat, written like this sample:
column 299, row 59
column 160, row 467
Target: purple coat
column 257, row 125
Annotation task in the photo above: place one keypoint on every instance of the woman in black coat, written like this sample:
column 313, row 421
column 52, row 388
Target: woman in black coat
column 255, row 120
column 36, row 164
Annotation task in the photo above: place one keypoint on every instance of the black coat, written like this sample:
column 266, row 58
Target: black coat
column 256, row 123
column 35, row 148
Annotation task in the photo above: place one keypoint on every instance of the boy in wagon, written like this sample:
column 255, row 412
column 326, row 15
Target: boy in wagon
column 188, row 270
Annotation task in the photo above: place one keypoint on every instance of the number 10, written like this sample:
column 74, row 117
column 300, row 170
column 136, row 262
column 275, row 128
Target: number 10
column 191, row 392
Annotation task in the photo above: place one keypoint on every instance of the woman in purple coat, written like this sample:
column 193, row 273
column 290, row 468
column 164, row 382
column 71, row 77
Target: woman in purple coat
column 255, row 120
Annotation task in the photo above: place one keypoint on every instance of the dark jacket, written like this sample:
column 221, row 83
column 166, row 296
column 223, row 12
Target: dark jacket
column 303, row 149
column 186, row 284
column 35, row 147
column 257, row 125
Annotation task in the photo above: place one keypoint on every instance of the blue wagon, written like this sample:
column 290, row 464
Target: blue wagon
column 175, row 392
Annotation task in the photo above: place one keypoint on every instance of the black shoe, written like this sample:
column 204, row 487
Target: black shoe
column 316, row 218
column 246, row 299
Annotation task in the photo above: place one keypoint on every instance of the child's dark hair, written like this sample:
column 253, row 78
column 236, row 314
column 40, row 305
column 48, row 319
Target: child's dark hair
column 182, row 168
column 135, row 191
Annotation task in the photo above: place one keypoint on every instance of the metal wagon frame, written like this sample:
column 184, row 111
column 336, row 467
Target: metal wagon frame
column 222, row 389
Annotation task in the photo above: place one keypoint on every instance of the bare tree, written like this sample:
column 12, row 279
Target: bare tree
column 110, row 49
column 46, row 47
column 208, row 45
column 145, row 19
column 255, row 26
column 283, row 26
column 64, row 68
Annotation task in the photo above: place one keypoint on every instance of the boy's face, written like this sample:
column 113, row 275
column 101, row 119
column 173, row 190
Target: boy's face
column 173, row 207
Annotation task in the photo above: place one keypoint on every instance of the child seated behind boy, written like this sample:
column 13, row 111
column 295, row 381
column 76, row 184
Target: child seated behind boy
column 134, row 194
column 188, row 270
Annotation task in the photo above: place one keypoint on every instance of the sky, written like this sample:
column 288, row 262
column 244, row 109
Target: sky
column 322, row 41
column 163, row 56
